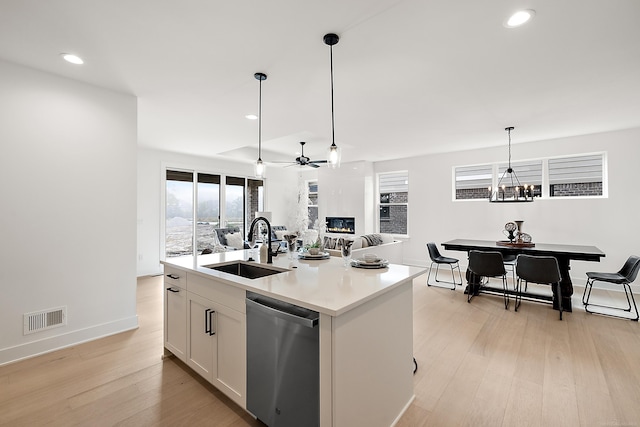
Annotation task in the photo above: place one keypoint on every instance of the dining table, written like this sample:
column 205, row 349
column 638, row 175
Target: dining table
column 564, row 254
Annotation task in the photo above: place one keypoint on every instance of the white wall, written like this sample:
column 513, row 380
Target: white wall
column 280, row 194
column 67, row 218
column 608, row 223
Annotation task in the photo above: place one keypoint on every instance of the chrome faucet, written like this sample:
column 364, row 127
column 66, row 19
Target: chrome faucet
column 252, row 240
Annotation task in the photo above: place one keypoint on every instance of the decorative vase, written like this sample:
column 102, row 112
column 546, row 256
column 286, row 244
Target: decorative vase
column 519, row 233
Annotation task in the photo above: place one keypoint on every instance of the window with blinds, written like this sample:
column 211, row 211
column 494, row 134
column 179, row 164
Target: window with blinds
column 472, row 182
column 393, row 202
column 576, row 176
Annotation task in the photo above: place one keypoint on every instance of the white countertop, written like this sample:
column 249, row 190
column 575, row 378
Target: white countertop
column 326, row 286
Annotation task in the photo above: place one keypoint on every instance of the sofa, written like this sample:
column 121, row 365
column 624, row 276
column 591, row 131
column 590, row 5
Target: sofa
column 231, row 238
column 382, row 244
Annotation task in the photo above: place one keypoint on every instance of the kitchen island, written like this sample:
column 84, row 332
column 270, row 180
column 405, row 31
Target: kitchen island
column 365, row 329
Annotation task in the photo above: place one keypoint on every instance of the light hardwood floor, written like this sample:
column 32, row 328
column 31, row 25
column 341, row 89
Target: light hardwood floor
column 479, row 365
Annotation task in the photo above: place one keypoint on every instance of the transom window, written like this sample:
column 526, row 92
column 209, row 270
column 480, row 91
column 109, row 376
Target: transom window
column 568, row 176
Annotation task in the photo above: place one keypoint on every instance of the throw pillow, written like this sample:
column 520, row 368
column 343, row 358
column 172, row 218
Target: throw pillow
column 235, row 240
column 387, row 238
column 373, row 239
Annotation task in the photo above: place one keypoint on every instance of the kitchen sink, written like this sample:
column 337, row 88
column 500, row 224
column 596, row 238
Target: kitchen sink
column 242, row 269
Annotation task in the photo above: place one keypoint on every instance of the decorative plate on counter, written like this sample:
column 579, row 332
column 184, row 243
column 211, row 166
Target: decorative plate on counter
column 307, row 255
column 361, row 263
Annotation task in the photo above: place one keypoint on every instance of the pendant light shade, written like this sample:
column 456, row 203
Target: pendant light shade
column 333, row 154
column 259, row 165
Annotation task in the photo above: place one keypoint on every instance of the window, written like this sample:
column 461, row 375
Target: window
column 182, row 222
column 528, row 173
column 473, row 182
column 393, row 205
column 234, row 203
column 576, row 176
column 208, row 212
column 179, row 213
column 313, row 202
column 580, row 175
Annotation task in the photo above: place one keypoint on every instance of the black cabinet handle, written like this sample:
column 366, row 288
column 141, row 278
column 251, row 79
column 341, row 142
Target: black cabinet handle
column 173, row 290
column 208, row 321
column 173, row 276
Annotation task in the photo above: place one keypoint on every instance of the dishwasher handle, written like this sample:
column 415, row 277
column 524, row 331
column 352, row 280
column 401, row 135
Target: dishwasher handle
column 290, row 317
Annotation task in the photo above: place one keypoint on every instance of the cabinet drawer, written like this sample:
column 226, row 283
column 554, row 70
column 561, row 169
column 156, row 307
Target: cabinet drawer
column 218, row 292
column 175, row 277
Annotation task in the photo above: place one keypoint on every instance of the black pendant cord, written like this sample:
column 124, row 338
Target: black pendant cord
column 333, row 133
column 260, row 123
column 509, row 129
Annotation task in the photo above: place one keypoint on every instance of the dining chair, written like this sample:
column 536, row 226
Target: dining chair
column 487, row 264
column 438, row 259
column 624, row 277
column 543, row 270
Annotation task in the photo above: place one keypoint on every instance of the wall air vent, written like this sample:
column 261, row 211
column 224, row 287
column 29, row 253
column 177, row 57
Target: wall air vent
column 42, row 320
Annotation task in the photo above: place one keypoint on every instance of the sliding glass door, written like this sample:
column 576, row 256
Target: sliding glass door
column 208, row 212
column 219, row 201
column 179, row 213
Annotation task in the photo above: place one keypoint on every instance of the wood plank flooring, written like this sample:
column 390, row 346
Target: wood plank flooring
column 479, row 365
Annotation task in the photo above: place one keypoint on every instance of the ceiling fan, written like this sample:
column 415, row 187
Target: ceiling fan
column 303, row 160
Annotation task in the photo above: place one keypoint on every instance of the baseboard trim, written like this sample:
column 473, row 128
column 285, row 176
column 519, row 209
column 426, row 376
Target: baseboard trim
column 47, row 345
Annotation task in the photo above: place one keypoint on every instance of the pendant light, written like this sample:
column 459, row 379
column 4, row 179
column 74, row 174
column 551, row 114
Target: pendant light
column 333, row 155
column 515, row 192
column 259, row 166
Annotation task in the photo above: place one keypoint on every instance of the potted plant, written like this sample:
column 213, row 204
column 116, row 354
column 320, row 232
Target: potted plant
column 314, row 248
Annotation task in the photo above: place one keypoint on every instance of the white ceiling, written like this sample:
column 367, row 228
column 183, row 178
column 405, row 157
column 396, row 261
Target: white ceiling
column 411, row 77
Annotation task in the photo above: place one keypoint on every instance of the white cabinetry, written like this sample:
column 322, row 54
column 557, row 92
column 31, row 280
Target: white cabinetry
column 175, row 312
column 216, row 335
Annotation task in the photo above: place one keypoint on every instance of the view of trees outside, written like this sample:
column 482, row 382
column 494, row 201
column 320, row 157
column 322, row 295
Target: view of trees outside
column 234, row 206
column 179, row 218
column 179, row 210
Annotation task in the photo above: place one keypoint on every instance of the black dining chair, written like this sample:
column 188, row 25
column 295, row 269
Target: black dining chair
column 487, row 264
column 543, row 270
column 624, row 277
column 438, row 259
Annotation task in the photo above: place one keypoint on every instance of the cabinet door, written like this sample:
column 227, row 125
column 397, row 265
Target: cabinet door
column 175, row 321
column 201, row 338
column 230, row 370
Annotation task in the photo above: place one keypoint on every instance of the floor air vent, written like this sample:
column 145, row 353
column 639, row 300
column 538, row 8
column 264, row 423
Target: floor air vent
column 47, row 319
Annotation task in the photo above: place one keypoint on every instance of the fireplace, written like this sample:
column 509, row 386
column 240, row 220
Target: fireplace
column 341, row 224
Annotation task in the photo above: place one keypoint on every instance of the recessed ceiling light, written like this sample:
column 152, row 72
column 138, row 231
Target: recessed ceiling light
column 251, row 117
column 74, row 59
column 519, row 18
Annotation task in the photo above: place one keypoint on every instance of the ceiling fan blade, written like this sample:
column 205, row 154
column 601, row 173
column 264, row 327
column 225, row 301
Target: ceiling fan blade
column 313, row 165
column 318, row 161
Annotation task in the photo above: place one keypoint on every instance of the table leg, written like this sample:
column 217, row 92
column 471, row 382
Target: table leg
column 565, row 282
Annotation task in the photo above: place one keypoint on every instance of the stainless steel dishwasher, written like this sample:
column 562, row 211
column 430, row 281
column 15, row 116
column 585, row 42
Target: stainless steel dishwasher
column 283, row 384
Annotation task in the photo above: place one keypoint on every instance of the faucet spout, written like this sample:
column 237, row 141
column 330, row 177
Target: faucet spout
column 251, row 239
